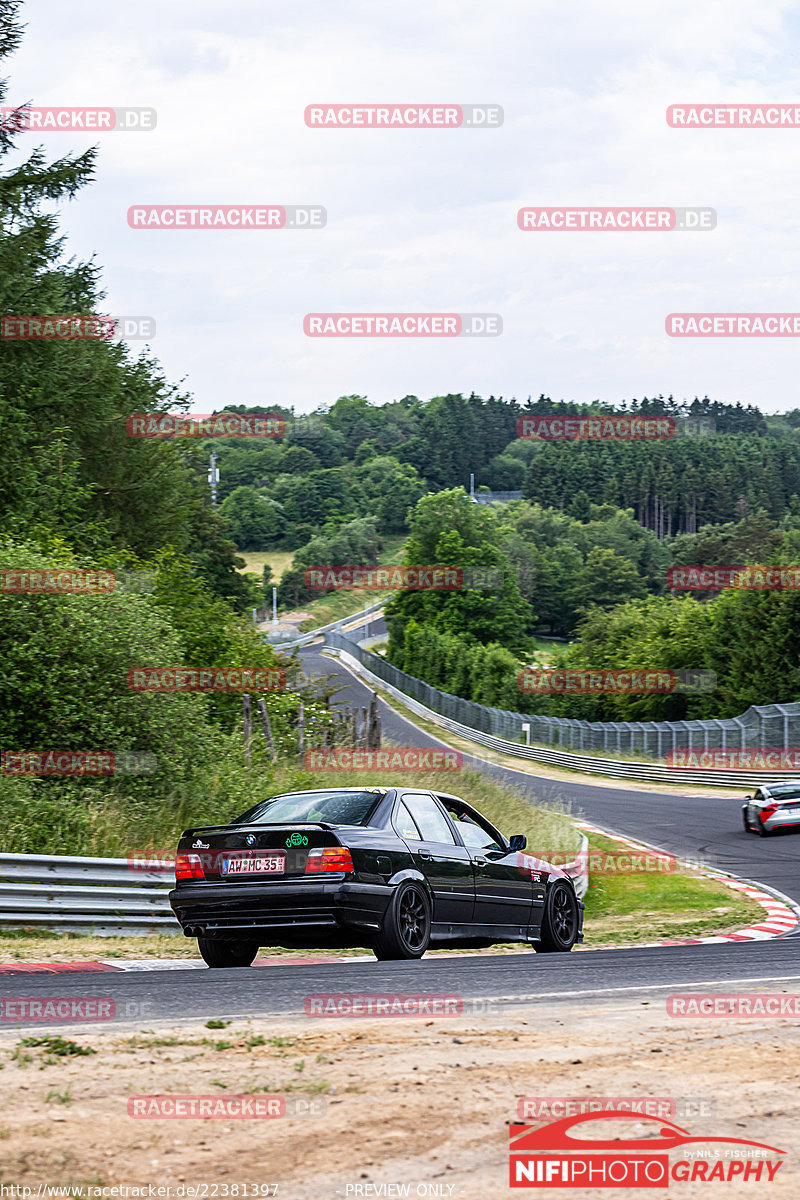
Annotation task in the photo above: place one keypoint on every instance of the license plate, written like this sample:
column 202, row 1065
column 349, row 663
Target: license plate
column 263, row 864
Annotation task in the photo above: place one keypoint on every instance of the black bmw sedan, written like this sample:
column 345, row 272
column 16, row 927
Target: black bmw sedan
column 394, row 868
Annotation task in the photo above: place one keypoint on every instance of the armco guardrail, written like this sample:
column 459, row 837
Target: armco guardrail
column 103, row 896
column 308, row 637
column 361, row 661
column 110, row 896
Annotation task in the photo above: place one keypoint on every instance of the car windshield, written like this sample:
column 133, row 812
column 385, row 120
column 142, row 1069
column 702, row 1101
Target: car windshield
column 336, row 808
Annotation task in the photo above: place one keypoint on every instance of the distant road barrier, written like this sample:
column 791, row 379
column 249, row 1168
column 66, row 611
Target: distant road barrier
column 305, row 638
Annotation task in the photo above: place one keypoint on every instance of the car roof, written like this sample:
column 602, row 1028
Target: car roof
column 364, row 787
column 781, row 785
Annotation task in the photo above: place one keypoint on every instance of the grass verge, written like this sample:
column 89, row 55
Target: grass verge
column 623, row 909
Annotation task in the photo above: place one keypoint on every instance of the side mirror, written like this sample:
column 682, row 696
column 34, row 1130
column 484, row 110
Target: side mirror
column 748, row 798
column 517, row 842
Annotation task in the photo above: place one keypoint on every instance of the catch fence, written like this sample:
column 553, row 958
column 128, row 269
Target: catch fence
column 761, row 727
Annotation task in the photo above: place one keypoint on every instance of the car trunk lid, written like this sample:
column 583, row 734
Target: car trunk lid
column 258, row 852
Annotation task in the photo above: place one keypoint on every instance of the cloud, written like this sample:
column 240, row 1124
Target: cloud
column 426, row 221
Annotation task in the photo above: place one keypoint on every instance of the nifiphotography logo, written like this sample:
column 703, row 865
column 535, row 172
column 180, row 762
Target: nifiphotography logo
column 569, row 1154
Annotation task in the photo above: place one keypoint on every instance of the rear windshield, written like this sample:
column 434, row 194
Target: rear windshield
column 337, row 808
column 786, row 791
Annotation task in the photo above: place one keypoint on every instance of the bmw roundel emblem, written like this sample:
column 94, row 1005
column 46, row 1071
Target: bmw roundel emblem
column 251, row 839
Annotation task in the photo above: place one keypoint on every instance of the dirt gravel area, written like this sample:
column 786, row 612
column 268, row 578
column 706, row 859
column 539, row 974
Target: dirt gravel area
column 423, row 1105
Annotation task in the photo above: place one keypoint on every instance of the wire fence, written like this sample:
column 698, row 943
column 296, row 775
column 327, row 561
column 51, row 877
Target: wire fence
column 496, row 497
column 761, row 727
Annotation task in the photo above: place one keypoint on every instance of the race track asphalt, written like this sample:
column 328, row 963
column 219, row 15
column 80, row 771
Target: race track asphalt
column 708, row 829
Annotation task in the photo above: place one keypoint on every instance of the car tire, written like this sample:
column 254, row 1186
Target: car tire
column 559, row 930
column 760, row 830
column 406, row 929
column 748, row 828
column 218, row 953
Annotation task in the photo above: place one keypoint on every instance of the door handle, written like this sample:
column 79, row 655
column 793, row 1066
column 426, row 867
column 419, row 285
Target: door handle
column 480, row 860
column 425, row 854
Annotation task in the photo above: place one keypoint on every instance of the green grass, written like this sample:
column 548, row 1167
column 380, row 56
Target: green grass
column 640, row 906
column 55, row 1044
column 335, row 605
column 256, row 560
column 280, row 560
column 546, row 647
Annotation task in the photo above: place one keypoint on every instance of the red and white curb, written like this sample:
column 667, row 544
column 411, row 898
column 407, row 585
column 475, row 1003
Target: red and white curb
column 100, row 966
column 781, row 917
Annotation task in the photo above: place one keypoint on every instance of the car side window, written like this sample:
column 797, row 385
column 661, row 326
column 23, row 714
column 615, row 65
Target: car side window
column 758, row 795
column 404, row 823
column 473, row 835
column 429, row 818
column 476, row 838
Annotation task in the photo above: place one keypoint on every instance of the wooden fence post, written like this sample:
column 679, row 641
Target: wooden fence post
column 265, row 725
column 374, row 737
column 301, row 733
column 248, row 728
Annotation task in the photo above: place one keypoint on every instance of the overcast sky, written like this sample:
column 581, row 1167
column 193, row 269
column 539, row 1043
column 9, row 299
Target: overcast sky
column 426, row 220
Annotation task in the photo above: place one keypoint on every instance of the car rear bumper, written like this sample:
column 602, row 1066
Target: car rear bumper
column 253, row 909
column 781, row 819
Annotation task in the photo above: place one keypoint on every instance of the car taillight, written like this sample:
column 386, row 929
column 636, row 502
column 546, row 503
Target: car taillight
column 188, row 866
column 329, row 858
column 767, row 811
